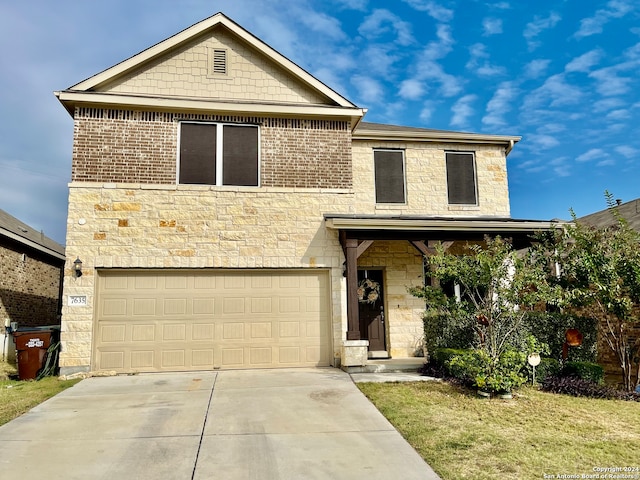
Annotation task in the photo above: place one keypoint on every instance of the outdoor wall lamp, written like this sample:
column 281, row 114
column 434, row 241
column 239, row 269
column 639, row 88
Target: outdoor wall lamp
column 77, row 267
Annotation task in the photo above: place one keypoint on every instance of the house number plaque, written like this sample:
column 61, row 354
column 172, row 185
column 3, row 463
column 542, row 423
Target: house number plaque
column 77, row 300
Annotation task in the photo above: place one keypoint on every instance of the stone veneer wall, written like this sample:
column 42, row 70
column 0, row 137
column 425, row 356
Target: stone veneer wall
column 29, row 288
column 402, row 265
column 426, row 178
column 130, row 146
column 155, row 226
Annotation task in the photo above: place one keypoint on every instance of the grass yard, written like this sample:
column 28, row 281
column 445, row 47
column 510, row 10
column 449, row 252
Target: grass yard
column 536, row 433
column 18, row 397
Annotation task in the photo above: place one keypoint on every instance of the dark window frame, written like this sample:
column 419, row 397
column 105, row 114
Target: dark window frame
column 457, row 193
column 382, row 197
column 223, row 151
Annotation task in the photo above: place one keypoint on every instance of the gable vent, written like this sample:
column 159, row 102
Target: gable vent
column 220, row 61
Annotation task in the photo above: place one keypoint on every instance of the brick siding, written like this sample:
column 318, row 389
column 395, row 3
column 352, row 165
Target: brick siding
column 29, row 288
column 124, row 146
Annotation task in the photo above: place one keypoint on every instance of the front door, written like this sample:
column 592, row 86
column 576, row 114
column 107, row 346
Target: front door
column 371, row 309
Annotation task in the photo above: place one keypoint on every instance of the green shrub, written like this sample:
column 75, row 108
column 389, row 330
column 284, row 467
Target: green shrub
column 466, row 366
column 446, row 330
column 584, row 370
column 441, row 356
column 550, row 328
column 548, row 367
column 475, row 368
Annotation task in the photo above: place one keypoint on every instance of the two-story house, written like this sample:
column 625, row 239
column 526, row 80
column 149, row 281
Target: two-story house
column 232, row 211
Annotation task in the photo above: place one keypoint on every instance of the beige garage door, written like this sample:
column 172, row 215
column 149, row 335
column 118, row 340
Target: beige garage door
column 198, row 320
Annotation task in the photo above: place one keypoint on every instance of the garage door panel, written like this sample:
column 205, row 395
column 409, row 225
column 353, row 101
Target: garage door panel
column 193, row 320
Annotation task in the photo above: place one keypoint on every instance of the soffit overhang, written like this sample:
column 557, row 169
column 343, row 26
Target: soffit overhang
column 426, row 224
column 411, row 228
column 416, row 135
column 72, row 99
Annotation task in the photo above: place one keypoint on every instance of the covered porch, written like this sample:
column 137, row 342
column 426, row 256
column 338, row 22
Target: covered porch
column 383, row 256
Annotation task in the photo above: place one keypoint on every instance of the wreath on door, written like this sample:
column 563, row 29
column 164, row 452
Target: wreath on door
column 368, row 291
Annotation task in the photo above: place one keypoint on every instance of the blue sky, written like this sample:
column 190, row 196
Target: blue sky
column 563, row 75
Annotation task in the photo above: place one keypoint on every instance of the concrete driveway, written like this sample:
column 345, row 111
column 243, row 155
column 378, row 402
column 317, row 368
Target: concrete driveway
column 247, row 424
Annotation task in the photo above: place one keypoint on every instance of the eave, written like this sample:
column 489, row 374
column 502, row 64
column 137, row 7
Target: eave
column 31, row 244
column 434, row 224
column 71, row 99
column 416, row 135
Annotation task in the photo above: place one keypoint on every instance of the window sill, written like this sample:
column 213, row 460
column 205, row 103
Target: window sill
column 464, row 208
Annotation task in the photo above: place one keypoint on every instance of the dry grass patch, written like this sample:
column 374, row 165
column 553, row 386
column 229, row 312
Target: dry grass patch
column 464, row 437
column 18, row 397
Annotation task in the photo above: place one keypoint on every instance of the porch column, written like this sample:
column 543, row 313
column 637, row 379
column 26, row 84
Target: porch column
column 353, row 320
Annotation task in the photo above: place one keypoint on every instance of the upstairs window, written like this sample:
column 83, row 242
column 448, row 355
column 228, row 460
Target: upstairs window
column 389, row 176
column 218, row 154
column 461, row 178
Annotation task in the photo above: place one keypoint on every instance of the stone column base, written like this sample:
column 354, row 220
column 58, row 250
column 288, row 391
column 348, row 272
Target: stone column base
column 354, row 353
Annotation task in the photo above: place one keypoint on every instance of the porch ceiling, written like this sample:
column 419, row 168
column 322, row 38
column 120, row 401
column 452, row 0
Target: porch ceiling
column 413, row 228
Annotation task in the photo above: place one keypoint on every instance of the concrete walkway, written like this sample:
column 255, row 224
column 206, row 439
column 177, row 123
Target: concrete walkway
column 247, row 424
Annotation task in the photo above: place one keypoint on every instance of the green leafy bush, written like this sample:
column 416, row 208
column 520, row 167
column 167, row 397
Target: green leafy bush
column 584, row 370
column 548, row 367
column 447, row 330
column 550, row 328
column 475, row 368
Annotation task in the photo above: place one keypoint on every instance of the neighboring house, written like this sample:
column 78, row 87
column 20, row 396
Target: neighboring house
column 229, row 208
column 630, row 211
column 31, row 267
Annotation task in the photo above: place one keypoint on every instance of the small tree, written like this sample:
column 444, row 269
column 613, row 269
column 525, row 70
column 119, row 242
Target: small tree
column 601, row 271
column 498, row 287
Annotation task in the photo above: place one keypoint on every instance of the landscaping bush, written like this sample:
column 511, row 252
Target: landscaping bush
column 580, row 387
column 447, row 330
column 584, row 370
column 550, row 328
column 438, row 364
column 548, row 367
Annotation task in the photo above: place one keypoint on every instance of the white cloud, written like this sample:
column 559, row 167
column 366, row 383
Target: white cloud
column 584, row 62
column 379, row 60
column 411, row 89
column 626, row 151
column 462, row 110
column 501, row 5
column 607, row 104
column 593, row 25
column 491, row 26
column 321, row 23
column 609, row 83
column 369, row 89
column 500, row 103
column 606, row 162
column 537, row 26
column 478, row 63
column 427, row 111
column 433, row 9
column 382, row 21
column 354, row 4
column 561, row 166
column 620, row 114
column 536, row 68
column 554, row 92
column 590, row 155
column 543, row 141
column 442, row 47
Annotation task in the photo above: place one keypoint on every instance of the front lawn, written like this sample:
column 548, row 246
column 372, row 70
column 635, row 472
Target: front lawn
column 18, row 397
column 536, row 433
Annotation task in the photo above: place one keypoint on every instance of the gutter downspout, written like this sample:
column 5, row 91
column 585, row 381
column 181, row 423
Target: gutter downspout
column 507, row 150
column 364, row 112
